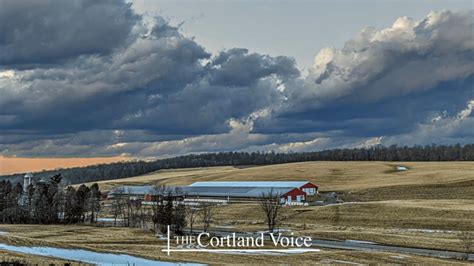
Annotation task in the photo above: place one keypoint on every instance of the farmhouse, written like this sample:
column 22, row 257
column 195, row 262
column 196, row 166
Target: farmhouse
column 226, row 192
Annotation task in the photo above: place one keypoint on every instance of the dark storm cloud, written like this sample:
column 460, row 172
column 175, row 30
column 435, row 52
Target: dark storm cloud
column 236, row 67
column 120, row 83
column 93, row 91
column 234, row 84
column 46, row 31
column 161, row 81
column 389, row 116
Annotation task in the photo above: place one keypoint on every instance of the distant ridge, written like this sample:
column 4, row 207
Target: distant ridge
column 117, row 170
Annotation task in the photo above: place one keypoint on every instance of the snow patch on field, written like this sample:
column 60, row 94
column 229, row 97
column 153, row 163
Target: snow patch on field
column 422, row 231
column 401, row 168
column 281, row 230
column 431, row 231
column 361, row 242
column 161, row 237
column 226, row 226
column 104, row 219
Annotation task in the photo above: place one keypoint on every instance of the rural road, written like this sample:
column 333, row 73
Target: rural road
column 354, row 245
column 368, row 246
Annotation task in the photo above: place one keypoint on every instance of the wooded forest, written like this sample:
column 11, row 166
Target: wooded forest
column 48, row 202
column 378, row 153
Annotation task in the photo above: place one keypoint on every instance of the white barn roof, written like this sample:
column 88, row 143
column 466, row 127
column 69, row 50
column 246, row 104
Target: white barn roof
column 255, row 184
column 206, row 191
column 243, row 192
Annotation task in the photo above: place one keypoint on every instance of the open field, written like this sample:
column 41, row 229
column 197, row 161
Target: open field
column 426, row 206
column 21, row 259
column 384, row 222
column 356, row 181
column 143, row 243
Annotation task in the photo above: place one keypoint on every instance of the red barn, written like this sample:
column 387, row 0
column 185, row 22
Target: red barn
column 103, row 195
column 309, row 188
column 294, row 195
column 147, row 197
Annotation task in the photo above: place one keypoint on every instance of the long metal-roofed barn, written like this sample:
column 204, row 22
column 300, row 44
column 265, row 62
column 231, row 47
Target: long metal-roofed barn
column 306, row 186
column 226, row 192
column 238, row 194
column 132, row 190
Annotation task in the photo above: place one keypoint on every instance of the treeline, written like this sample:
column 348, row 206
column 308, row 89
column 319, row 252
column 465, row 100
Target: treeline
column 165, row 207
column 165, row 210
column 48, row 203
column 379, row 153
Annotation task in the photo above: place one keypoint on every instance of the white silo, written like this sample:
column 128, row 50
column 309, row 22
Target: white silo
column 27, row 181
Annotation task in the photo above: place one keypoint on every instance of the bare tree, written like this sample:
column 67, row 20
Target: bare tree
column 142, row 216
column 93, row 202
column 157, row 205
column 269, row 203
column 118, row 204
column 133, row 211
column 467, row 241
column 136, row 212
column 178, row 220
column 192, row 213
column 207, row 215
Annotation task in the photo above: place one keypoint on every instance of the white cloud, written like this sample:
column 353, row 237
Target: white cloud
column 7, row 74
column 442, row 129
column 408, row 57
column 368, row 143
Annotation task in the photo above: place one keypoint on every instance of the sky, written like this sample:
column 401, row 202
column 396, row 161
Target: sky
column 298, row 29
column 153, row 79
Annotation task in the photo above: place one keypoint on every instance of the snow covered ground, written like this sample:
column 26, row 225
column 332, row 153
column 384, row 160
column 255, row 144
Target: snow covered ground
column 362, row 242
column 401, row 168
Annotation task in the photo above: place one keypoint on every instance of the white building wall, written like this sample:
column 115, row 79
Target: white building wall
column 309, row 191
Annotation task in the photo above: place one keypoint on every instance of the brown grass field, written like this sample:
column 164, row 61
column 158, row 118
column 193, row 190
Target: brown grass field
column 425, row 206
column 143, row 243
column 361, row 181
column 12, row 258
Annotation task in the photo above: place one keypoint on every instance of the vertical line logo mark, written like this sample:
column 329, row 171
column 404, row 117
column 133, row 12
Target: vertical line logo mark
column 168, row 249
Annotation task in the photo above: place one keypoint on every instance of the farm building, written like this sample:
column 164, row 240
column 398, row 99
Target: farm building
column 306, row 186
column 132, row 191
column 218, row 192
column 240, row 194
